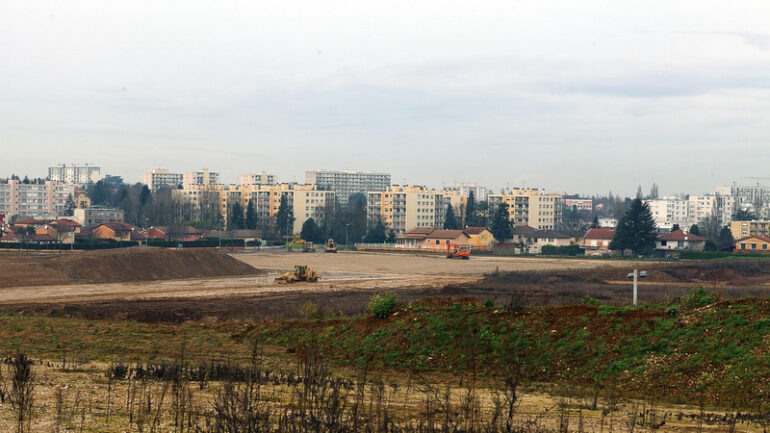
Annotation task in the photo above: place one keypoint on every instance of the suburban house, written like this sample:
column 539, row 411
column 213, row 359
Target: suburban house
column 597, row 242
column 679, row 240
column 753, row 244
column 414, row 237
column 520, row 234
column 480, row 237
column 173, row 233
column 439, row 239
column 61, row 230
column 115, row 230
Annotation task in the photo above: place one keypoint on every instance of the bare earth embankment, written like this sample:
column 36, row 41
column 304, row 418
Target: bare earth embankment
column 118, row 265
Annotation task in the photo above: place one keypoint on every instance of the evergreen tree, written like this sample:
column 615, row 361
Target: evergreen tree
column 284, row 218
column 725, row 239
column 144, row 195
column 636, row 229
column 695, row 230
column 450, row 220
column 251, row 216
column 675, row 227
column 470, row 219
column 69, row 206
column 391, row 239
column 377, row 233
column 235, row 216
column 310, row 231
column 501, row 226
column 595, row 222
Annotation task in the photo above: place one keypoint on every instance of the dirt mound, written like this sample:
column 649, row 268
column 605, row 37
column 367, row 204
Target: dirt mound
column 118, row 265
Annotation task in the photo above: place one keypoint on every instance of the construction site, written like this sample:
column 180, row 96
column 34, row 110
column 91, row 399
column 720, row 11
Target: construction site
column 175, row 285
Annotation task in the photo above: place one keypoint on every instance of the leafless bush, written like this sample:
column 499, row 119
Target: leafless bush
column 22, row 392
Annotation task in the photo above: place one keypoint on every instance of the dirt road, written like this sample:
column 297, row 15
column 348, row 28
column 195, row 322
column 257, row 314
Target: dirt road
column 415, row 264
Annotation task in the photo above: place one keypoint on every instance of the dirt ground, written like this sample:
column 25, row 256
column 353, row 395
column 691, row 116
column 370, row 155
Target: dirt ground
column 117, row 265
column 347, row 280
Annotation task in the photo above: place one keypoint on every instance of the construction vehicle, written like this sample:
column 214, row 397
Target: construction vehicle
column 331, row 246
column 454, row 251
column 301, row 273
column 301, row 244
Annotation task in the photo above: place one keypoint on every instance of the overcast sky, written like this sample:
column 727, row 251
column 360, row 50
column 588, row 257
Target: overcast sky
column 577, row 96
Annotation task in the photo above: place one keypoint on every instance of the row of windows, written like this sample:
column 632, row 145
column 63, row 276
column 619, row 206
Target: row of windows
column 753, row 246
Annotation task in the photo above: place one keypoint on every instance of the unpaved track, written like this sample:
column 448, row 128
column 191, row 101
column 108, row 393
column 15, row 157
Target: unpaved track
column 339, row 272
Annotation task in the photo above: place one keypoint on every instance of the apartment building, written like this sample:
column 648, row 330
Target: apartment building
column 530, row 207
column 347, row 182
column 464, row 189
column 74, row 174
column 203, row 177
column 305, row 201
column 700, row 207
column 669, row 211
column 260, row 178
column 34, row 200
column 746, row 196
column 743, row 229
column 404, row 207
column 691, row 210
column 159, row 178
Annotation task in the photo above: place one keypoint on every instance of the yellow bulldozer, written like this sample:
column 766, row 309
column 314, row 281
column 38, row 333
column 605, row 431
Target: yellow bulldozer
column 301, row 273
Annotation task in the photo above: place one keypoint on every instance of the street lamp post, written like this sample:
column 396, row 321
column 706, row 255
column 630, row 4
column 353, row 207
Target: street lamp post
column 635, row 275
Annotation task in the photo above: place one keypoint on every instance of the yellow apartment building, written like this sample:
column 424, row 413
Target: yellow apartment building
column 743, row 229
column 304, row 200
column 529, row 207
column 404, row 207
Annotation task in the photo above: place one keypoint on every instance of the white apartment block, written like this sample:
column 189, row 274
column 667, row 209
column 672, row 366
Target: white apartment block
column 529, row 207
column 203, row 177
column 46, row 200
column 404, row 207
column 464, row 189
column 95, row 215
column 159, row 178
column 673, row 210
column 347, row 182
column 74, row 174
column 669, row 211
column 260, row 178
column 746, row 196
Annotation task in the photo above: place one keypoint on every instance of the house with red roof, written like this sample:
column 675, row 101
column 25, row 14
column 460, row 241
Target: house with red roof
column 597, row 242
column 679, row 240
column 115, row 230
column 439, row 239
